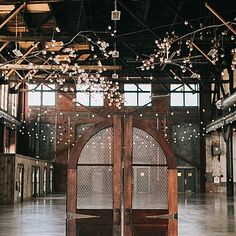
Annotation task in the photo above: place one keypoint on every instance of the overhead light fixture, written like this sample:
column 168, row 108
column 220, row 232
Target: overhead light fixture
column 17, row 52
column 115, row 54
column 114, row 76
column 115, row 15
column 212, row 53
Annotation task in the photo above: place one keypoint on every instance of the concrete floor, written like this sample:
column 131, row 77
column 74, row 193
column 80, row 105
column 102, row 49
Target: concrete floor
column 199, row 215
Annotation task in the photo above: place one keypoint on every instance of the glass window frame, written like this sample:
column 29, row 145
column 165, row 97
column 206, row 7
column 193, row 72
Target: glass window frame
column 89, row 95
column 138, row 90
column 43, row 91
column 186, row 90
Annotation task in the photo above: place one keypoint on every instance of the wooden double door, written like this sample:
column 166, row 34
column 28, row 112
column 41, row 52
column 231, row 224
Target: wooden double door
column 122, row 180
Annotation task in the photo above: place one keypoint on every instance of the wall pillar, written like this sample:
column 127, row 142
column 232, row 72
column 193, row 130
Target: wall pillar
column 228, row 137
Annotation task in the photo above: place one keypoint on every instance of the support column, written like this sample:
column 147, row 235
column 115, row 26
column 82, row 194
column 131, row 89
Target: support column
column 228, row 137
column 202, row 141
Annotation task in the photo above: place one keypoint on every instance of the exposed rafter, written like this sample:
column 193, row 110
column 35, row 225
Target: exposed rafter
column 12, row 14
column 55, row 67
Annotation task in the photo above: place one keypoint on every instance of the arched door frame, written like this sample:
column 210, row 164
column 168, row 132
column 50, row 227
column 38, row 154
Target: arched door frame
column 116, row 122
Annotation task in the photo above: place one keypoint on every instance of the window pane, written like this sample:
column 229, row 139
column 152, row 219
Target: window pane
column 144, row 98
column 83, row 98
column 130, row 87
column 145, row 87
column 34, row 98
column 130, row 99
column 48, row 97
column 191, row 99
column 176, row 99
column 33, row 86
column 82, row 87
column 49, row 87
column 97, row 99
column 176, row 87
column 191, row 87
column 4, row 96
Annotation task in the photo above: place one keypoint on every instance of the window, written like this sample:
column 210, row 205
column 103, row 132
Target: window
column 41, row 95
column 183, row 95
column 137, row 94
column 13, row 105
column 89, row 95
column 4, row 96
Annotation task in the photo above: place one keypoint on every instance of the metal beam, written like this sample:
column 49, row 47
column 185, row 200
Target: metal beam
column 220, row 18
column 4, row 38
column 14, row 12
column 123, row 80
column 54, row 67
column 3, row 46
column 221, row 122
column 203, row 53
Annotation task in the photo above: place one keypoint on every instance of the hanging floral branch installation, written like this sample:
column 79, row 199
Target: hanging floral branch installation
column 179, row 50
column 58, row 57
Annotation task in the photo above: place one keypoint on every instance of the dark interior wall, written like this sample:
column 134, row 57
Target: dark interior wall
column 185, row 143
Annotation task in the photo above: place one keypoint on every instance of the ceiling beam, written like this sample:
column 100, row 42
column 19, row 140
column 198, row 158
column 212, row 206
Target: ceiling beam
column 204, row 54
column 3, row 46
column 13, row 13
column 31, row 2
column 220, row 18
column 5, row 38
column 55, row 67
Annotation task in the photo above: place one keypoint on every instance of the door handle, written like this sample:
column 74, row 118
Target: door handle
column 117, row 216
column 127, row 216
column 173, row 216
column 73, row 216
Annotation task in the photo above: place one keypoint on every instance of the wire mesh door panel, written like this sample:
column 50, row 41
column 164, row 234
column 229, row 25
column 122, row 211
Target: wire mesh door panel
column 150, row 173
column 150, row 187
column 95, row 172
column 94, row 189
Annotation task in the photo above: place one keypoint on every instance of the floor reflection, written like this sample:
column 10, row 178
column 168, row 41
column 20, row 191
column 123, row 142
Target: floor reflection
column 206, row 215
column 39, row 217
column 199, row 215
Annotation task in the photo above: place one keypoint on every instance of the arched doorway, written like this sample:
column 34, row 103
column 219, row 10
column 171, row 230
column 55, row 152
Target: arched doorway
column 122, row 180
